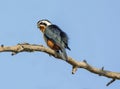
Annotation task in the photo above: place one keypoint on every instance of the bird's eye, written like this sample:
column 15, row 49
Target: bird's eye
column 43, row 23
column 40, row 22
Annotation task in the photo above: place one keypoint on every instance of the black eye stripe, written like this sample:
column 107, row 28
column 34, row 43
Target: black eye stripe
column 43, row 23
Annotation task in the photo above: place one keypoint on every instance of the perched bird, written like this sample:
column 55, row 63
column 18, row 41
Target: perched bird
column 54, row 37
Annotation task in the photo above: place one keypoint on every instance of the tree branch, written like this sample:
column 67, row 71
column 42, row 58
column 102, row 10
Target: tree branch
column 25, row 47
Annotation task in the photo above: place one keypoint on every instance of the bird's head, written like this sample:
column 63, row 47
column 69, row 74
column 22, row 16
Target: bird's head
column 42, row 24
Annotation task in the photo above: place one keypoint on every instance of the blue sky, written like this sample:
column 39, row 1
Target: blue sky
column 93, row 27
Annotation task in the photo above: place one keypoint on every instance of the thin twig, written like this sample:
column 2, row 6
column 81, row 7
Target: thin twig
column 113, row 80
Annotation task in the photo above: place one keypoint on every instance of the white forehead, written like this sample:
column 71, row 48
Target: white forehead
column 47, row 22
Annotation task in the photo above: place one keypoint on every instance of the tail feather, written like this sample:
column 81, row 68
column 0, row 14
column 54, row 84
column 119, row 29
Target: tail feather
column 68, row 48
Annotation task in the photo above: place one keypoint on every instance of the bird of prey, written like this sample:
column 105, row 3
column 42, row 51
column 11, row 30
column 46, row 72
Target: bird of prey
column 54, row 37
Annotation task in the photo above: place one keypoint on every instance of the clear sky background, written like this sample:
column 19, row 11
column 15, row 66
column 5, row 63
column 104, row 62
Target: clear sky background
column 93, row 27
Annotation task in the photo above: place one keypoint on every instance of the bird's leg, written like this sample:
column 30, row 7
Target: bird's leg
column 56, row 53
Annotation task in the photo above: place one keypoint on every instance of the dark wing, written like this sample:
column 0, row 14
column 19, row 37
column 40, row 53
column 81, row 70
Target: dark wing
column 65, row 38
column 53, row 33
column 57, row 35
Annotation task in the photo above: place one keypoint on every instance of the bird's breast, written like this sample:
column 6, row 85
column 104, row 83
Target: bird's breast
column 52, row 45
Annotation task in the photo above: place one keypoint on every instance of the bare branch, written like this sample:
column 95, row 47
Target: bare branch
column 76, row 64
column 74, row 69
column 113, row 80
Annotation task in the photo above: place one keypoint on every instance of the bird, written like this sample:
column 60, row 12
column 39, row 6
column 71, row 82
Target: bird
column 54, row 37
